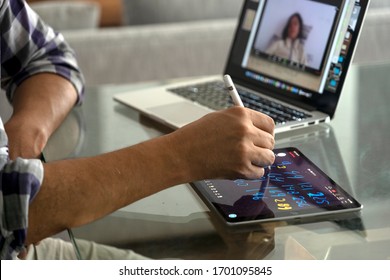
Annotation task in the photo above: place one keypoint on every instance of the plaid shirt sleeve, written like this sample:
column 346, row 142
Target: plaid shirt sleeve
column 20, row 181
column 29, row 46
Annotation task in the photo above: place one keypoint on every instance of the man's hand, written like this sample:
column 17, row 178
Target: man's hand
column 25, row 139
column 234, row 143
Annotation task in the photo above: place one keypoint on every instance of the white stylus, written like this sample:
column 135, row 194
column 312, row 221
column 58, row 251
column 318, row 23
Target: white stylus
column 235, row 96
column 232, row 90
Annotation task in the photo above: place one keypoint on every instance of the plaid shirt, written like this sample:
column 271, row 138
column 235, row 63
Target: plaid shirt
column 28, row 46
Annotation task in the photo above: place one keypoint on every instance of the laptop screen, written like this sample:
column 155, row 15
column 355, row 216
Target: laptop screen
column 297, row 50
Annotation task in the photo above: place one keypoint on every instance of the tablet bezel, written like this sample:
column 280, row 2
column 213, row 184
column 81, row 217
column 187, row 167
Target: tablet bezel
column 314, row 212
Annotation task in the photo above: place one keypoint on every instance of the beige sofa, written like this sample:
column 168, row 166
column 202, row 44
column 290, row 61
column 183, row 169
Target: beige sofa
column 162, row 40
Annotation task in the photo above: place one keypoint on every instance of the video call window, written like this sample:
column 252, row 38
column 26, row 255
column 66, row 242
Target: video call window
column 295, row 33
column 294, row 42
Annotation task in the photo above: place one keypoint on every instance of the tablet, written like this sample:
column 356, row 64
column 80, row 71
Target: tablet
column 292, row 188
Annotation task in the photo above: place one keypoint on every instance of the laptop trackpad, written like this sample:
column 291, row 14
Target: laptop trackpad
column 178, row 114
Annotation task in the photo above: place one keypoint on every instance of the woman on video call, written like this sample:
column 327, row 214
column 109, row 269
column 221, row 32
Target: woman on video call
column 291, row 45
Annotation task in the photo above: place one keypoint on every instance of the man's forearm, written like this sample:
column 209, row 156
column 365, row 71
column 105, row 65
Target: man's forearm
column 40, row 104
column 78, row 191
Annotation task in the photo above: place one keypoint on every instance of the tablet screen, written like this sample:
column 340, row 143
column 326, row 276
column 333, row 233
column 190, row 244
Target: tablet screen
column 292, row 187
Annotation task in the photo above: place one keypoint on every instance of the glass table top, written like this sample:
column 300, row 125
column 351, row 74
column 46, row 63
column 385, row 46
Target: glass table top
column 353, row 149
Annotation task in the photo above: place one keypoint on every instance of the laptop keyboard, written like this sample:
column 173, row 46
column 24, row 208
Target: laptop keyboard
column 214, row 95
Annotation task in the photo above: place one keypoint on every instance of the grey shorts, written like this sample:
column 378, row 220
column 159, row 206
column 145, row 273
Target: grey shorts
column 58, row 249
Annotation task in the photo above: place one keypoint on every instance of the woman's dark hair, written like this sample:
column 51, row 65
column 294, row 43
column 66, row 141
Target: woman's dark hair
column 285, row 30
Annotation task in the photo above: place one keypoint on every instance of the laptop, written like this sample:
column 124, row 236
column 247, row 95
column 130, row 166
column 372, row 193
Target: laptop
column 288, row 59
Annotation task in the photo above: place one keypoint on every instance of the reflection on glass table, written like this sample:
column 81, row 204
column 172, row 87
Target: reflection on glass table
column 174, row 223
